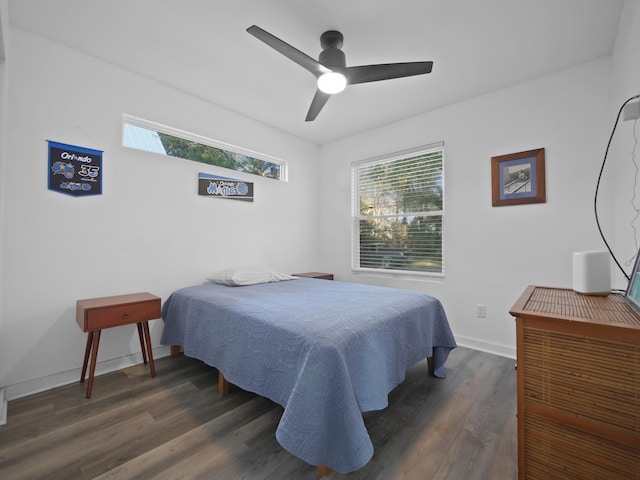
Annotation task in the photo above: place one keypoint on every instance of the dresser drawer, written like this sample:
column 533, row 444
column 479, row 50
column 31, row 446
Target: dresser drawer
column 585, row 377
column 556, row 450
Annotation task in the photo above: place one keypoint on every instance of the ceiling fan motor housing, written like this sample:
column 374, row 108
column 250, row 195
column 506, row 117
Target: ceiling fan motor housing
column 332, row 58
column 331, row 38
column 331, row 55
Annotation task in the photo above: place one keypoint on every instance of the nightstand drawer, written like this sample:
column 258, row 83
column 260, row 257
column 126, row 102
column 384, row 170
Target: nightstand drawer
column 122, row 315
column 105, row 312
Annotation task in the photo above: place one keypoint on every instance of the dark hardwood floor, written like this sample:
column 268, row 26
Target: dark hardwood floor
column 176, row 426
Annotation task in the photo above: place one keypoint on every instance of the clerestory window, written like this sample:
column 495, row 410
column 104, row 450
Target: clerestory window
column 152, row 137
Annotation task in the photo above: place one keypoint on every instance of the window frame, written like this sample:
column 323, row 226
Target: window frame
column 357, row 216
column 209, row 142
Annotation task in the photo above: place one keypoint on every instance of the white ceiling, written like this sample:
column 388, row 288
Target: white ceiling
column 201, row 47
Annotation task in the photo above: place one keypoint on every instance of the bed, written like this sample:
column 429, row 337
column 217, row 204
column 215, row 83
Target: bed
column 326, row 351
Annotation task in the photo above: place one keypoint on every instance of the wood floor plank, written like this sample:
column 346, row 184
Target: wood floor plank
column 229, row 447
column 61, row 430
column 423, row 413
column 162, row 458
column 52, row 452
column 177, row 426
column 33, row 415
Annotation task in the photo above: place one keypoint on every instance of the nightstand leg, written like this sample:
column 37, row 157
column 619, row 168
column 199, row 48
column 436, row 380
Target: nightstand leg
column 94, row 356
column 142, row 347
column 145, row 326
column 87, row 351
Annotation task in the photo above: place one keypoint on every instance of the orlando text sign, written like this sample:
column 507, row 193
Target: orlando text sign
column 74, row 170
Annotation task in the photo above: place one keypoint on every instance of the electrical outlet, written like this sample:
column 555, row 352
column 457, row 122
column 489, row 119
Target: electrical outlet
column 481, row 311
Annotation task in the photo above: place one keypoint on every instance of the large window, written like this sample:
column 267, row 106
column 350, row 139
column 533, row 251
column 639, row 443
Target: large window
column 152, row 137
column 398, row 212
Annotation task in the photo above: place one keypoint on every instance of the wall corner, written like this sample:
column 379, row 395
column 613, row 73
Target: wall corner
column 3, row 409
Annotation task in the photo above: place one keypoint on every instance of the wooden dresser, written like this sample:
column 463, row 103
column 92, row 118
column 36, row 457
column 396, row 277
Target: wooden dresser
column 578, row 363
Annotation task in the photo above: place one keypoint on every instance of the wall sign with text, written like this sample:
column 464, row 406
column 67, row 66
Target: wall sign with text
column 74, row 170
column 222, row 187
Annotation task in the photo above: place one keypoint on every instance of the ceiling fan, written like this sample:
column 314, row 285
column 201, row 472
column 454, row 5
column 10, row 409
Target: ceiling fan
column 330, row 69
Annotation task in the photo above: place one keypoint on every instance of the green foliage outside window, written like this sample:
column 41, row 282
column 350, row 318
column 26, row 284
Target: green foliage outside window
column 399, row 220
column 181, row 148
column 152, row 140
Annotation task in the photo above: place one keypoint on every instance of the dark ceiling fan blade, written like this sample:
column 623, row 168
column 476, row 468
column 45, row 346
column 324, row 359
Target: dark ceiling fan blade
column 387, row 71
column 319, row 100
column 288, row 51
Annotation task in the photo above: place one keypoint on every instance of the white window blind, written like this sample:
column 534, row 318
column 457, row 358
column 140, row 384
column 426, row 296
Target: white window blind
column 398, row 209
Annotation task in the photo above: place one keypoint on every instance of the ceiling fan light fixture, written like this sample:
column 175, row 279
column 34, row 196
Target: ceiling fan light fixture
column 332, row 82
column 331, row 67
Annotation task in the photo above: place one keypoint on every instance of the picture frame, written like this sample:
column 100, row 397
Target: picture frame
column 518, row 178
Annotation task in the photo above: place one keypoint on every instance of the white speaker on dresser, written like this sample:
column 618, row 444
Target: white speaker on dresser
column 592, row 272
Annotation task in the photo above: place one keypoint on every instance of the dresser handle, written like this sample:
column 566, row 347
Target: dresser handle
column 126, row 314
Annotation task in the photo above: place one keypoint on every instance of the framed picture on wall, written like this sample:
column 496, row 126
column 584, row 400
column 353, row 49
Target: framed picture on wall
column 518, row 178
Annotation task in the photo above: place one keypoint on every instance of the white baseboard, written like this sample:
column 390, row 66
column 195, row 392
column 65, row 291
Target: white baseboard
column 500, row 350
column 41, row 384
column 3, row 408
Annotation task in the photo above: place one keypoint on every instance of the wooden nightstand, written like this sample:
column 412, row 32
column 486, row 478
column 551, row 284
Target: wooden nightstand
column 95, row 314
column 323, row 276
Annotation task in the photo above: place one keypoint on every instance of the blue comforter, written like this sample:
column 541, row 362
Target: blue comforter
column 324, row 350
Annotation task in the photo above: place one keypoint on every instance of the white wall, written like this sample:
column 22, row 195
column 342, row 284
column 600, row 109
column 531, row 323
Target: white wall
column 148, row 231
column 492, row 253
column 4, row 16
column 4, row 26
column 621, row 170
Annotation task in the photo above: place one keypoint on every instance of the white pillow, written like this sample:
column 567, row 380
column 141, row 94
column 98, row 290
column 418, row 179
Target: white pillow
column 237, row 277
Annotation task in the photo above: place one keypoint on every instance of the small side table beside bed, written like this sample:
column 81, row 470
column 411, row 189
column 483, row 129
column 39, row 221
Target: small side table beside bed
column 95, row 314
column 321, row 275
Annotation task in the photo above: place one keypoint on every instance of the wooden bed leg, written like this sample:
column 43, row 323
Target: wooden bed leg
column 430, row 364
column 175, row 350
column 324, row 471
column 223, row 385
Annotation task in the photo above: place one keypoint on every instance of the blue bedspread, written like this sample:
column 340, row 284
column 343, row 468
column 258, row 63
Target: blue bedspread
column 325, row 350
